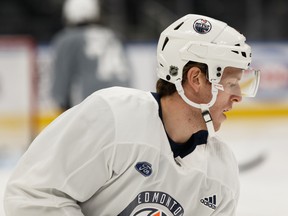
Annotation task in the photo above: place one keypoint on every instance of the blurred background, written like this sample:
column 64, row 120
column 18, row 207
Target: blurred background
column 256, row 130
column 143, row 20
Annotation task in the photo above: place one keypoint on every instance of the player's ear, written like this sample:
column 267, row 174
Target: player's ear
column 194, row 78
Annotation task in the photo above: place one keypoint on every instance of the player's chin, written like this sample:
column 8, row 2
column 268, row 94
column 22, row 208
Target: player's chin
column 218, row 121
column 223, row 117
column 217, row 126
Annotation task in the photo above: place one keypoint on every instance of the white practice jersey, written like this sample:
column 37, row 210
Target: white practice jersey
column 110, row 156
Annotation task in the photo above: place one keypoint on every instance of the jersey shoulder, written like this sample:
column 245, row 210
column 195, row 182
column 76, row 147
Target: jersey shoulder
column 136, row 112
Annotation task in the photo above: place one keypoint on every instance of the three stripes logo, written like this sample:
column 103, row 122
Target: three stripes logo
column 210, row 201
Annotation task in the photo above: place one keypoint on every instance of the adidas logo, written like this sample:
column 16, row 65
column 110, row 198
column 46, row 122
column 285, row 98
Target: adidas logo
column 210, row 201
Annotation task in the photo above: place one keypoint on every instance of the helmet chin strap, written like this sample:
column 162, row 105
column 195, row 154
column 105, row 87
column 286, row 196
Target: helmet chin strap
column 204, row 107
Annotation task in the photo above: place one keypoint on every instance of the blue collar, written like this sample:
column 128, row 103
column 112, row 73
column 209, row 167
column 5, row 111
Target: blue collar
column 186, row 148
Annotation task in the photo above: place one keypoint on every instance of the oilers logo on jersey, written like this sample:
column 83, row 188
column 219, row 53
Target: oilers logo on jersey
column 150, row 212
column 153, row 203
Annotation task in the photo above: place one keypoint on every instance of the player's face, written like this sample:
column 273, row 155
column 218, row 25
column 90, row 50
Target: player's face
column 226, row 99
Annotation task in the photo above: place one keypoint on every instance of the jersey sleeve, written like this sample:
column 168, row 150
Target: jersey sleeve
column 66, row 164
column 227, row 207
column 228, row 174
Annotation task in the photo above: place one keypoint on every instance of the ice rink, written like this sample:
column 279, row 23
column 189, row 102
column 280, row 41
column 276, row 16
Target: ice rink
column 261, row 148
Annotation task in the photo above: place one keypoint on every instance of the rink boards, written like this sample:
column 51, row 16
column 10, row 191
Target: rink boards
column 26, row 107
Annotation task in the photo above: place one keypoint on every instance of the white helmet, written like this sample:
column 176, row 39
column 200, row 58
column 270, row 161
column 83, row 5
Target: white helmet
column 200, row 39
column 78, row 11
column 205, row 40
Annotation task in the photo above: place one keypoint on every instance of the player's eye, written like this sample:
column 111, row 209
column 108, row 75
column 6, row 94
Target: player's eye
column 231, row 85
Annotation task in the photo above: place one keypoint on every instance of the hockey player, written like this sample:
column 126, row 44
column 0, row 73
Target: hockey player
column 87, row 56
column 128, row 152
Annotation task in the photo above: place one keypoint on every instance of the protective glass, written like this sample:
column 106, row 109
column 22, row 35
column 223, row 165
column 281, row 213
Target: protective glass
column 243, row 83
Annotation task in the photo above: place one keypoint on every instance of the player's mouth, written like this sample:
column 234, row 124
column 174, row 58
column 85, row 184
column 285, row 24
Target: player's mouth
column 226, row 110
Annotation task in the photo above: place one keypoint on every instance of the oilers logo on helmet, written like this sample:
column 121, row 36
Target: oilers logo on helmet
column 202, row 26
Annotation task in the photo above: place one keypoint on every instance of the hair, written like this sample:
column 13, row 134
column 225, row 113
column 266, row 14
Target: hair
column 165, row 88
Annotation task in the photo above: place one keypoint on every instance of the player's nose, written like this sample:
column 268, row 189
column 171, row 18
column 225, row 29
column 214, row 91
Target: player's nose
column 236, row 98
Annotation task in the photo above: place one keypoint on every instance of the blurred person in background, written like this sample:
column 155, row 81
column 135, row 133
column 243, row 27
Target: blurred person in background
column 87, row 56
